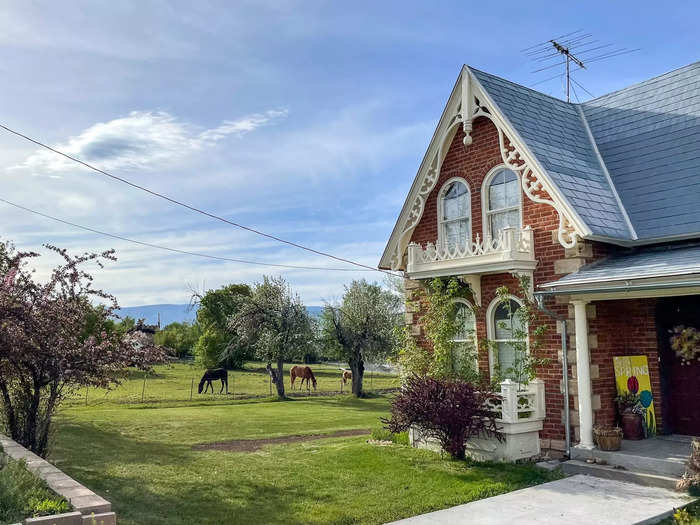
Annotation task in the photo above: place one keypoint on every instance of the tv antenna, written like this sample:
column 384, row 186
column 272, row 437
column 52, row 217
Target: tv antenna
column 570, row 57
column 577, row 48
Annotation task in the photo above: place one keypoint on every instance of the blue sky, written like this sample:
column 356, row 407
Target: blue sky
column 304, row 119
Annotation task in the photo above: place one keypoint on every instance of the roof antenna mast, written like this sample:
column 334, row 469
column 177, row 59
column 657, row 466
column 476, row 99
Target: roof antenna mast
column 576, row 47
column 570, row 57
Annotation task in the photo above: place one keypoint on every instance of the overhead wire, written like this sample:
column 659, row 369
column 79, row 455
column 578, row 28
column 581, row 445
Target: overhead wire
column 183, row 204
column 176, row 250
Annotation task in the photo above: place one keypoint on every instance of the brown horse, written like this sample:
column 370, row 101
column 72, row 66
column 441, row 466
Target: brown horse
column 305, row 373
column 347, row 375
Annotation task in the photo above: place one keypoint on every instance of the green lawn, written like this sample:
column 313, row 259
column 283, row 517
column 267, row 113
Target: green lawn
column 173, row 383
column 141, row 458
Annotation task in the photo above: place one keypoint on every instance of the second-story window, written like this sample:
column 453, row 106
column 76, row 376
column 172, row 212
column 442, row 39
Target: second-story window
column 455, row 213
column 503, row 202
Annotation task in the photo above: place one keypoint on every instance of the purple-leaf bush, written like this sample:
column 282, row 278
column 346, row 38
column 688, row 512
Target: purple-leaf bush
column 452, row 412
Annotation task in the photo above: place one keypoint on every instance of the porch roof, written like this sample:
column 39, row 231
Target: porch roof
column 645, row 263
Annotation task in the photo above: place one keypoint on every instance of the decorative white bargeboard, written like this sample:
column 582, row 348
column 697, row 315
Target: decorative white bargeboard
column 511, row 250
column 522, row 411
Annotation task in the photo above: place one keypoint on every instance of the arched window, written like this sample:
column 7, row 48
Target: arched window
column 502, row 202
column 465, row 338
column 454, row 214
column 503, row 327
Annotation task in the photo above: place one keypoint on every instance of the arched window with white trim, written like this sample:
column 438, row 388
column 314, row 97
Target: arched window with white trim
column 502, row 200
column 454, row 213
column 465, row 342
column 503, row 325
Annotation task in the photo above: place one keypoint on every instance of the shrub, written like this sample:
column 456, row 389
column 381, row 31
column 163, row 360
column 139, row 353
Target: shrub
column 23, row 495
column 451, row 412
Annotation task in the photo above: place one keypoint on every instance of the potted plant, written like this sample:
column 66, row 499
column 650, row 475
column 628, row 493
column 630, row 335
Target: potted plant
column 608, row 438
column 631, row 413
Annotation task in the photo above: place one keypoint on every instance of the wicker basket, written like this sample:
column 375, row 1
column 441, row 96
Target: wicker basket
column 608, row 438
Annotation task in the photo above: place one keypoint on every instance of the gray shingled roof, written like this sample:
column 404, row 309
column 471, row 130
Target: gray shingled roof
column 644, row 263
column 648, row 136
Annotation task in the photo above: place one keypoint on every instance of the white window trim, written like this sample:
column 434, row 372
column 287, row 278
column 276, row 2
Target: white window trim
column 485, row 211
column 441, row 194
column 491, row 328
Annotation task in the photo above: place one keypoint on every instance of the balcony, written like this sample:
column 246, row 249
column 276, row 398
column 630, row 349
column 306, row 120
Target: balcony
column 512, row 250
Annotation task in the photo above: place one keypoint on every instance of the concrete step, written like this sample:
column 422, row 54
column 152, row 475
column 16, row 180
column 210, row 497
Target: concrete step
column 664, row 463
column 647, row 479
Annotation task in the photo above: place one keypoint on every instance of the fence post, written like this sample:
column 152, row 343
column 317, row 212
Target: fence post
column 86, row 395
column 143, row 389
column 191, row 388
column 270, row 386
column 341, row 386
column 233, row 386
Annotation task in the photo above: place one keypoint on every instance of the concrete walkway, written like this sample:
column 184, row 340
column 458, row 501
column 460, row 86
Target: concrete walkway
column 578, row 499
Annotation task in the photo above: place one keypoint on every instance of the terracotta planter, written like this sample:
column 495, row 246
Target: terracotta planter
column 632, row 426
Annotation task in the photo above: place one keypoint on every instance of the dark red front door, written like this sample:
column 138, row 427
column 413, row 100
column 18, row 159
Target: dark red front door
column 681, row 380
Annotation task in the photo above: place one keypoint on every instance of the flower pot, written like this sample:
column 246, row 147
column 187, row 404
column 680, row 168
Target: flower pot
column 609, row 439
column 632, row 426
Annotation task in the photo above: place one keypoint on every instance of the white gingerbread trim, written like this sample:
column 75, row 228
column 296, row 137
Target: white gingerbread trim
column 469, row 98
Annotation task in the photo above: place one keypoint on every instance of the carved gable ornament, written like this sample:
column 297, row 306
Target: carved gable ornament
column 468, row 102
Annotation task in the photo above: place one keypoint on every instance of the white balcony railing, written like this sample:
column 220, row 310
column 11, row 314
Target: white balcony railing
column 512, row 249
column 518, row 403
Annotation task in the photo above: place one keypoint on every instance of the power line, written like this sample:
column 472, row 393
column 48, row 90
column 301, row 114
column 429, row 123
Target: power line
column 176, row 250
column 184, row 205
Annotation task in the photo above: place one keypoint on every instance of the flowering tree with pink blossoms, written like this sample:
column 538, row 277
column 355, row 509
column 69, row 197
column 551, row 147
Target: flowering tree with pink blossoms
column 54, row 341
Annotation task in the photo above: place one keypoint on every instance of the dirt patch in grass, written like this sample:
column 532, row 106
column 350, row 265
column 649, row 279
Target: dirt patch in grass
column 251, row 445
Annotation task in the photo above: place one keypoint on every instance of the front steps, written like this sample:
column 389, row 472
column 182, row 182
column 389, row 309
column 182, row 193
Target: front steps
column 647, row 479
column 656, row 462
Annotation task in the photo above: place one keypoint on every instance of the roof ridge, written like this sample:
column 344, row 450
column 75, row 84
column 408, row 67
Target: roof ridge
column 604, row 167
column 521, row 85
column 636, row 84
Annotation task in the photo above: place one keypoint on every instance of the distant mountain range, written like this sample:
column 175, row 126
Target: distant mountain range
column 176, row 313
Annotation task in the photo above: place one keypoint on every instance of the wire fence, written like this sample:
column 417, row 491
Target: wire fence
column 179, row 382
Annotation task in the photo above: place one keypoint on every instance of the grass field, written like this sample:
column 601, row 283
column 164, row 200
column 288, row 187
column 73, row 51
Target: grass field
column 175, row 382
column 142, row 459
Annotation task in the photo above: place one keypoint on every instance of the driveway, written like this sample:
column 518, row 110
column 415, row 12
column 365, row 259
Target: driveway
column 578, row 499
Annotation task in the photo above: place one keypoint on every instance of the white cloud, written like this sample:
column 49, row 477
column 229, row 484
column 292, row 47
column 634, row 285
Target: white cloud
column 142, row 140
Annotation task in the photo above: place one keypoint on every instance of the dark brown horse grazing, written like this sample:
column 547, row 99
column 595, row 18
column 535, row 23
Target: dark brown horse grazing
column 305, row 373
column 214, row 375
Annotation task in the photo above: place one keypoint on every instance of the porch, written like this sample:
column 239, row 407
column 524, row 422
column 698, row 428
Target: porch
column 658, row 461
column 639, row 297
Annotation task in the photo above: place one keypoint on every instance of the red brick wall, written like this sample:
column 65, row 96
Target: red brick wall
column 635, row 318
column 624, row 327
column 473, row 164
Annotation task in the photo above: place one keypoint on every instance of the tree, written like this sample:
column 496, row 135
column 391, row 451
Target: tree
column 275, row 322
column 450, row 411
column 181, row 338
column 362, row 327
column 218, row 345
column 53, row 341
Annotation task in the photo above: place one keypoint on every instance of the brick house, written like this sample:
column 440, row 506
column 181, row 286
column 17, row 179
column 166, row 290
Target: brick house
column 599, row 203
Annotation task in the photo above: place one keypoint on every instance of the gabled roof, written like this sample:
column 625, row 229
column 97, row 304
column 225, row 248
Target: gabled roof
column 622, row 168
column 649, row 137
column 627, row 162
column 556, row 135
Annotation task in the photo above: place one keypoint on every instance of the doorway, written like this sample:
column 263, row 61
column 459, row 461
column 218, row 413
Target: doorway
column 680, row 380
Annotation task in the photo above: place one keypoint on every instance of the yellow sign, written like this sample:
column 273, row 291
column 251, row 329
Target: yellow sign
column 632, row 377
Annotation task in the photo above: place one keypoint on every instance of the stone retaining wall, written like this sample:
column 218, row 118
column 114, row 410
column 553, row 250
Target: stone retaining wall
column 88, row 507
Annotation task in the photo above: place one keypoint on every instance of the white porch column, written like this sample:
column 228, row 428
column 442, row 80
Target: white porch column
column 583, row 375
